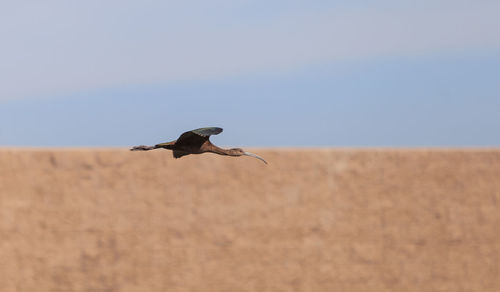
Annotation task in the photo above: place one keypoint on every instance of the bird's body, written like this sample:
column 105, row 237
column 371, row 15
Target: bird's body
column 196, row 142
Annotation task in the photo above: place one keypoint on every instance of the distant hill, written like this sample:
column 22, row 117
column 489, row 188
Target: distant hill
column 310, row 220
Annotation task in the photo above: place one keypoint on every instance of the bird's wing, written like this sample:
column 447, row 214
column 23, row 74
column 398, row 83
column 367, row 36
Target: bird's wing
column 197, row 137
column 205, row 132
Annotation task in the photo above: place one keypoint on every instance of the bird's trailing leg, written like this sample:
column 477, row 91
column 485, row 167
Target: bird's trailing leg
column 142, row 148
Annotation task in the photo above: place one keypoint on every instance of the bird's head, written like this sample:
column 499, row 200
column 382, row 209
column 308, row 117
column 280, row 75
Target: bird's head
column 241, row 152
column 237, row 151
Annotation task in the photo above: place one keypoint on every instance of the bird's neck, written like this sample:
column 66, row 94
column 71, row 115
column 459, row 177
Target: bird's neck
column 221, row 151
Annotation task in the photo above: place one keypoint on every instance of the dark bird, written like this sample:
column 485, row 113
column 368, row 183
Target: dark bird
column 196, row 142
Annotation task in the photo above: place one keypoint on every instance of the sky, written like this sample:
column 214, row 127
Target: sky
column 271, row 73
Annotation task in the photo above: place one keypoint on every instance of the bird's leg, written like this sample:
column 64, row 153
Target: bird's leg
column 142, row 148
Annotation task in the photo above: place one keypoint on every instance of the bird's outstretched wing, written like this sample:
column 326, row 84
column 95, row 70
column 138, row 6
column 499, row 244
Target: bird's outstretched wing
column 205, row 132
column 197, row 137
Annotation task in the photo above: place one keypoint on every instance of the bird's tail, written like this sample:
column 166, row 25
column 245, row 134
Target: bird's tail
column 142, row 148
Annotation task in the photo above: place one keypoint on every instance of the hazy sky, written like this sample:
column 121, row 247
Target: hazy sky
column 271, row 73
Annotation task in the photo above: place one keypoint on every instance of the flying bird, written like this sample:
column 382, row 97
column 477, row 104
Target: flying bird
column 196, row 142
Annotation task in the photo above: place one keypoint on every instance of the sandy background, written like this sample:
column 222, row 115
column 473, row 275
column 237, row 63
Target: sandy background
column 311, row 220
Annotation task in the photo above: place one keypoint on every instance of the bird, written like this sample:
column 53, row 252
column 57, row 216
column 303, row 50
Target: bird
column 196, row 142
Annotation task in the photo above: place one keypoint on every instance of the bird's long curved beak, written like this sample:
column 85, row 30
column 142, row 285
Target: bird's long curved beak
column 254, row 155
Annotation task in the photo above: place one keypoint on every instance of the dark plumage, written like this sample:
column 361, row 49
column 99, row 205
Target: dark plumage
column 196, row 142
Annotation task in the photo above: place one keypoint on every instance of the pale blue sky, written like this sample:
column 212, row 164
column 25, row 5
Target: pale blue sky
column 271, row 73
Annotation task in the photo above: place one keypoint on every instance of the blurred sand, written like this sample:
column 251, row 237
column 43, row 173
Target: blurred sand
column 311, row 220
